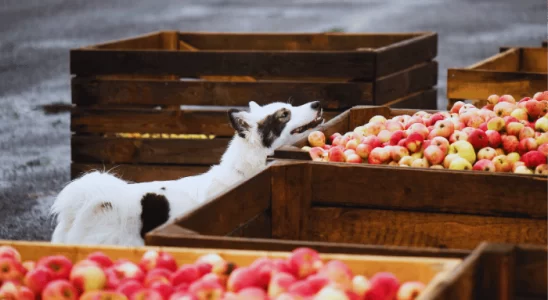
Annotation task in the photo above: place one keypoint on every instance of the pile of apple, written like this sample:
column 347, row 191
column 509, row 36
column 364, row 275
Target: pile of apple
column 503, row 136
column 303, row 275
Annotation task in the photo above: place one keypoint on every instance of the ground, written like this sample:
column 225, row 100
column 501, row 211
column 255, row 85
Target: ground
column 36, row 35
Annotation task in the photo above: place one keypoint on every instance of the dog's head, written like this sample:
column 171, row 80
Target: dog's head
column 274, row 125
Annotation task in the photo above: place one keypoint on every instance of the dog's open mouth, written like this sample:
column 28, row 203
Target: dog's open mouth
column 317, row 121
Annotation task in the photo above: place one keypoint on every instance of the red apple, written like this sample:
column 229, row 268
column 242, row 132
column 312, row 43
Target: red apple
column 478, row 139
column 159, row 259
column 11, row 269
column 373, row 141
column 543, row 149
column 317, row 282
column 502, row 164
column 252, row 293
column 37, row 279
column 493, row 138
column 384, row 285
column 484, row 165
column 533, row 158
column 102, row 259
column 457, row 106
column 414, row 141
column 165, row 288
column 527, row 145
column 534, row 108
column 379, row 156
column 280, row 283
column 434, row 155
column 147, row 294
column 458, row 136
column 363, row 150
column 185, row 274
column 316, row 153
column 336, row 154
column 304, row 262
column 10, row 252
column 88, row 278
column 510, row 143
column 339, row 273
column 106, row 295
column 164, row 275
column 397, row 136
column 59, row 265
column 353, row 159
column 129, row 287
column 59, row 289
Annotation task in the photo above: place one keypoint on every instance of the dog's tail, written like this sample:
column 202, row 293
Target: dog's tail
column 92, row 210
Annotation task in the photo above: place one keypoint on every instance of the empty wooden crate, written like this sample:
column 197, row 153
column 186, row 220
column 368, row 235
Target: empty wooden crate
column 520, row 72
column 155, row 106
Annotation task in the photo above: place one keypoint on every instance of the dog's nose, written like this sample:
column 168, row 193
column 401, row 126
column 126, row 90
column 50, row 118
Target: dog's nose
column 316, row 105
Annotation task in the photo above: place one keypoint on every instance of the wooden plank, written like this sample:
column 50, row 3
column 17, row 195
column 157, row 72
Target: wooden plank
column 259, row 226
column 404, row 268
column 401, row 84
column 508, row 60
column 292, row 41
column 150, row 41
column 422, row 100
column 94, row 149
column 334, row 95
column 449, row 191
column 232, row 209
column 479, row 84
column 407, row 53
column 534, row 60
column 139, row 173
column 290, row 200
column 545, row 43
column 417, row 229
column 361, row 115
column 105, row 120
column 531, row 271
column 162, row 237
column 233, row 63
column 495, row 277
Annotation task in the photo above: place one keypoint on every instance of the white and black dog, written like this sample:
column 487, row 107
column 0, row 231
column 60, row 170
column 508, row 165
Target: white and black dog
column 99, row 208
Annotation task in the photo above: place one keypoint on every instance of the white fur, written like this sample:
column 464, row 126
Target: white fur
column 83, row 219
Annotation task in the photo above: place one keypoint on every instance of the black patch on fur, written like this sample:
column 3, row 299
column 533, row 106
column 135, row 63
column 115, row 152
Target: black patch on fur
column 163, row 188
column 272, row 126
column 237, row 123
column 155, row 212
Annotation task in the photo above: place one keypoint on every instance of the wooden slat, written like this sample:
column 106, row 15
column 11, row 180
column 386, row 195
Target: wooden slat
column 259, row 226
column 427, row 99
column 404, row 268
column 334, row 95
column 292, row 41
column 531, row 271
column 151, row 41
column 211, row 122
column 508, row 60
column 401, row 228
column 232, row 209
column 479, row 84
column 430, row 190
column 139, row 173
column 240, row 63
column 290, row 200
column 401, row 84
column 407, row 53
column 94, row 149
column 534, row 60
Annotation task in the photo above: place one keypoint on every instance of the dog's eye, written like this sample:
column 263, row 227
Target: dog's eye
column 284, row 115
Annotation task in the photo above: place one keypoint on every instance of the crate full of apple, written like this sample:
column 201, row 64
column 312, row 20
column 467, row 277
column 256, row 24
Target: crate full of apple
column 302, row 275
column 504, row 136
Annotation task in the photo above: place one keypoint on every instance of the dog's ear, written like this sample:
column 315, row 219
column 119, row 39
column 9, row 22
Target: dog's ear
column 253, row 106
column 238, row 122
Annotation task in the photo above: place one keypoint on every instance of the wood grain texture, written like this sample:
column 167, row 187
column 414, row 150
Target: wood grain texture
column 534, row 60
column 404, row 54
column 531, row 271
column 423, row 100
column 94, row 149
column 290, row 200
column 402, row 228
column 479, row 84
column 259, row 226
column 334, row 95
column 231, row 63
column 226, row 212
column 397, row 85
column 151, row 41
column 508, row 60
column 434, row 191
column 292, row 41
column 139, row 173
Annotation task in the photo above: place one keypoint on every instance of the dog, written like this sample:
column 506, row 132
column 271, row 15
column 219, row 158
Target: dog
column 101, row 209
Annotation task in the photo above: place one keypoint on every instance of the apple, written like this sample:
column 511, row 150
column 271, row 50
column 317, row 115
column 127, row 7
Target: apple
column 475, row 121
column 316, row 153
column 101, row 258
column 418, row 128
column 500, row 151
column 533, row 158
column 541, row 96
column 434, row 154
column 335, row 154
column 420, row 163
column 486, row 153
column 542, row 169
column 442, row 143
column 478, row 139
column 372, row 129
column 520, row 114
column 29, row 265
column 522, row 170
column 443, row 128
column 457, row 106
column 543, row 148
column 406, row 160
column 468, row 130
column 460, row 163
column 514, row 128
column 379, row 156
column 467, row 108
column 385, row 135
column 534, row 108
column 360, row 285
column 59, row 289
column 484, row 165
column 413, row 120
column 410, row 290
column 185, row 274
column 384, row 285
column 10, row 252
column 161, row 274
column 397, row 136
column 363, row 150
column 398, row 152
column 129, row 287
column 496, row 123
column 336, row 134
column 88, row 278
column 59, row 265
column 541, row 138
column 280, row 283
column 11, row 269
column 464, row 149
column 316, row 139
column 458, row 136
column 340, row 141
column 414, row 142
column 378, row 118
column 392, row 125
column 37, row 279
column 510, row 143
column 354, row 159
column 502, row 164
column 121, row 271
column 493, row 99
column 541, row 124
column 159, row 259
column 526, row 132
column 527, row 145
column 372, row 140
column 448, row 159
column 503, row 109
column 493, row 138
column 435, row 118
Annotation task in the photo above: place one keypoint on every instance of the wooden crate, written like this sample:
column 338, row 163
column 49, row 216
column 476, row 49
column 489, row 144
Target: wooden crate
column 520, row 72
column 372, row 205
column 138, row 85
column 497, row 271
column 425, row 269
